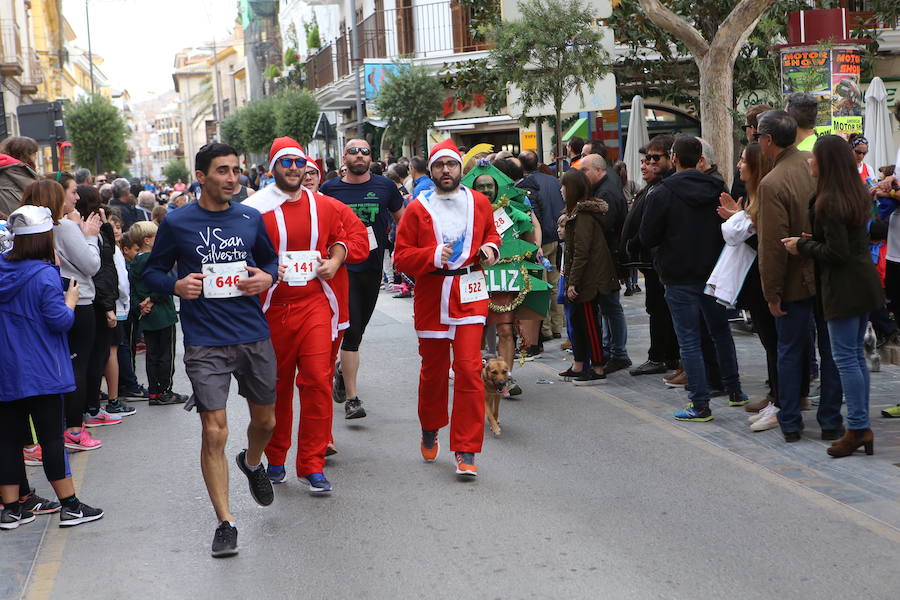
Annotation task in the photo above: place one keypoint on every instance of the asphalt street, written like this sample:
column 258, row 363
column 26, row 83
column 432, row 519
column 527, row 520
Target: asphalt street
column 588, row 493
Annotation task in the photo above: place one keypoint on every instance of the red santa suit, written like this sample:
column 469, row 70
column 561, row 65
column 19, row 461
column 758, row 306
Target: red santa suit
column 445, row 312
column 303, row 320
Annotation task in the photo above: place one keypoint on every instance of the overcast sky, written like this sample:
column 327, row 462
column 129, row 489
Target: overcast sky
column 138, row 39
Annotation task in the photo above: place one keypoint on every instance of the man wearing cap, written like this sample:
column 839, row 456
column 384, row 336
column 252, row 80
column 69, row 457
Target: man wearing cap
column 374, row 199
column 441, row 240
column 302, row 310
column 357, row 251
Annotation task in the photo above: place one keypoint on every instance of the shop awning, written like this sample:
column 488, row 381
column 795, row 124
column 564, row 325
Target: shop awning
column 579, row 128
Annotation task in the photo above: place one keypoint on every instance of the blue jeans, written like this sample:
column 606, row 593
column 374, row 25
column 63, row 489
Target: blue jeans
column 849, row 356
column 614, row 316
column 688, row 304
column 794, row 341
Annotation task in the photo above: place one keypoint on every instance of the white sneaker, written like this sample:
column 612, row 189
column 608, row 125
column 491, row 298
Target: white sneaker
column 757, row 416
column 768, row 420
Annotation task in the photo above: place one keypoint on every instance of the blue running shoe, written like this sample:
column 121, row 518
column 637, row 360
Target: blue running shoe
column 317, row 483
column 689, row 413
column 275, row 473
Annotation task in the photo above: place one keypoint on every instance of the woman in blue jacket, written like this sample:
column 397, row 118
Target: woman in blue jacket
column 36, row 370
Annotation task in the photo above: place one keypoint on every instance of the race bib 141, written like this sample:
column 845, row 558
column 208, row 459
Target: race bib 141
column 301, row 266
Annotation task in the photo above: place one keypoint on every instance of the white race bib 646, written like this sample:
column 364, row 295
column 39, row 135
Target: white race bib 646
column 472, row 287
column 222, row 278
column 301, row 266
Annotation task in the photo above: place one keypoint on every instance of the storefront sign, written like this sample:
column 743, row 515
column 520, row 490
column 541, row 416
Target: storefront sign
column 529, row 140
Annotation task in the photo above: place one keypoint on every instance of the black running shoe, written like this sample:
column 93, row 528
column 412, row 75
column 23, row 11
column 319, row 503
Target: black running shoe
column 353, row 409
column 38, row 505
column 175, row 397
column 138, row 393
column 83, row 514
column 119, row 407
column 338, row 391
column 260, row 484
column 225, row 541
column 616, row 364
column 11, row 520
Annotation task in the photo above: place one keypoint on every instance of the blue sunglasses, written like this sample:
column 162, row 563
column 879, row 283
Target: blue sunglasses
column 287, row 162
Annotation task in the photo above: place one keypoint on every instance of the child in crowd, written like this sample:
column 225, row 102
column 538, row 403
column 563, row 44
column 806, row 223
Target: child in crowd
column 157, row 319
column 115, row 405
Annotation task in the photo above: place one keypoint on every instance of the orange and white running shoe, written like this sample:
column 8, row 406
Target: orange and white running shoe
column 465, row 464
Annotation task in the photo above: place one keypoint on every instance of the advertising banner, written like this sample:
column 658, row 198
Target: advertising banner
column 832, row 75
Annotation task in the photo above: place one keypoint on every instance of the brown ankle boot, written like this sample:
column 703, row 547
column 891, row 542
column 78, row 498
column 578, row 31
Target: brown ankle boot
column 853, row 439
column 758, row 405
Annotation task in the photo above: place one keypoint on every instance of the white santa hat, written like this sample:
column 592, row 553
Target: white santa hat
column 281, row 147
column 446, row 149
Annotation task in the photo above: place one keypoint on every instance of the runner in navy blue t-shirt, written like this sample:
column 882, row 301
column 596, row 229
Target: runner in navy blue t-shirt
column 375, row 200
column 225, row 260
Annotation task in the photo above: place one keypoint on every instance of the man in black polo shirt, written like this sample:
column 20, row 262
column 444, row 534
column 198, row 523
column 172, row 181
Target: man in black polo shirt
column 375, row 200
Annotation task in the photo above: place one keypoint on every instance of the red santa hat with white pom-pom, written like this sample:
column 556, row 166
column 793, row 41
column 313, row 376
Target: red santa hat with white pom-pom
column 445, row 149
column 282, row 147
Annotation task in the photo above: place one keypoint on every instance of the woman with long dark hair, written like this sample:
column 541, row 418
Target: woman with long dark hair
column 752, row 167
column 589, row 273
column 847, row 281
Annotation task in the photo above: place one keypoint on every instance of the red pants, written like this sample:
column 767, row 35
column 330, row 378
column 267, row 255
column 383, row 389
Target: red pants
column 467, row 425
column 301, row 336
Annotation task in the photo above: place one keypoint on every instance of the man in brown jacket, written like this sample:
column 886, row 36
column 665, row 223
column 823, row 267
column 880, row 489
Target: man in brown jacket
column 788, row 282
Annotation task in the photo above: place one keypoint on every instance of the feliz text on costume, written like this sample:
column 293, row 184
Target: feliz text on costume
column 218, row 248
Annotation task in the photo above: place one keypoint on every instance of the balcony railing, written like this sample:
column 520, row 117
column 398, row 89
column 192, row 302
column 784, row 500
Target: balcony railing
column 34, row 75
column 11, row 63
column 438, row 29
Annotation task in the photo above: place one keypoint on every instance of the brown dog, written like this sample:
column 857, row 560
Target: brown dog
column 495, row 375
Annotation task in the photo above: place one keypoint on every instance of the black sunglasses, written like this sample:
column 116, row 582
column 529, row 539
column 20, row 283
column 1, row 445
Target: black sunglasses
column 655, row 157
column 861, row 152
column 287, row 162
column 355, row 150
column 746, row 127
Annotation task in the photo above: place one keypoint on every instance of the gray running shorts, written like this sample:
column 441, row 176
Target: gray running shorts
column 210, row 369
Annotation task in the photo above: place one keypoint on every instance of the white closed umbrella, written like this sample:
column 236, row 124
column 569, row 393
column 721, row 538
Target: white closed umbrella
column 637, row 138
column 878, row 127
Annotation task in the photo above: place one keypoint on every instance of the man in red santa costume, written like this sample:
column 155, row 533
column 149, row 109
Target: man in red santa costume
column 307, row 232
column 443, row 237
column 357, row 251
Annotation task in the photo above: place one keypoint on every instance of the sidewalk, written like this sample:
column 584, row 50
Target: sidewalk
column 870, row 484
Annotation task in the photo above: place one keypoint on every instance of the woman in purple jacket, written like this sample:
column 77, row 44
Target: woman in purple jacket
column 35, row 315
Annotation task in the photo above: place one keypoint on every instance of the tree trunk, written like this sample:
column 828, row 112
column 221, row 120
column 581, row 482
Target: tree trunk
column 716, row 90
column 559, row 159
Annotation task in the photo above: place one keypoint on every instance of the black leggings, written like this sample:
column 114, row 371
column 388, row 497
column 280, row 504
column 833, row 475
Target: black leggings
column 47, row 415
column 364, row 287
column 160, row 359
column 81, row 345
column 588, row 333
column 103, row 339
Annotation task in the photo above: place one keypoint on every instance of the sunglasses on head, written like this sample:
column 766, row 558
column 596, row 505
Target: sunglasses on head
column 355, row 150
column 287, row 162
column 655, row 157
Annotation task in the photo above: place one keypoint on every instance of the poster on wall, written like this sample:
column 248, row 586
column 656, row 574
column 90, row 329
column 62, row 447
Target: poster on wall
column 833, row 76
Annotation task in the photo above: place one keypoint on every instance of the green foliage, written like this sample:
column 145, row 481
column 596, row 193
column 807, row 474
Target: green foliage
column 410, row 100
column 551, row 51
column 175, row 170
column 97, row 133
column 272, row 72
column 485, row 18
column 296, row 113
column 290, row 57
column 470, row 78
column 257, row 124
column 674, row 76
column 126, row 173
column 312, row 34
column 231, row 131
